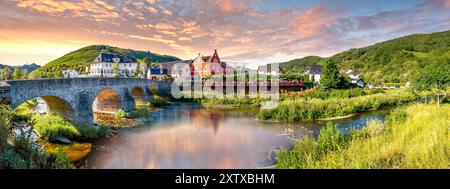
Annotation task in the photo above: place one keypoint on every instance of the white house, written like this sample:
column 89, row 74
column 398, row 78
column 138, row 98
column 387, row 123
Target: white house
column 314, row 73
column 355, row 78
column 103, row 66
column 70, row 74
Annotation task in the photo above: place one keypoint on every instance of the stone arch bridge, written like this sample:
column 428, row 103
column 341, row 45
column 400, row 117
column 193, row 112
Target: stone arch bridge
column 76, row 99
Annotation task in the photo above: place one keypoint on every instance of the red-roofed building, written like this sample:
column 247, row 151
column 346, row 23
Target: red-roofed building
column 210, row 65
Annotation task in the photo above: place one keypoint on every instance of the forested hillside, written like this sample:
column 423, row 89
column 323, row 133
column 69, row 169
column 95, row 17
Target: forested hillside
column 79, row 59
column 394, row 61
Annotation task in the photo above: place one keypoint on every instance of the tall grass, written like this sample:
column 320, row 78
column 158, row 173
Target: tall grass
column 51, row 127
column 417, row 137
column 300, row 109
column 235, row 102
column 21, row 153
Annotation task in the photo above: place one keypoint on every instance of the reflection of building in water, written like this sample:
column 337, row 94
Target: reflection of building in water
column 198, row 118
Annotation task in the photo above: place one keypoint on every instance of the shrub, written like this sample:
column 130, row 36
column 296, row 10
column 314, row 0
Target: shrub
column 51, row 127
column 160, row 101
column 25, row 154
column 121, row 113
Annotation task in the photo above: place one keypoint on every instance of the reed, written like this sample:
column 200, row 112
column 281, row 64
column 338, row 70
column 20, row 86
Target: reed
column 305, row 110
column 417, row 137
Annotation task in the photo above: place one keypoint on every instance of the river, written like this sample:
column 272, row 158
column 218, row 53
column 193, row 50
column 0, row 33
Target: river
column 184, row 138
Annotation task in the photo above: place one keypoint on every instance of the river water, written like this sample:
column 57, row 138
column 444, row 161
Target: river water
column 180, row 138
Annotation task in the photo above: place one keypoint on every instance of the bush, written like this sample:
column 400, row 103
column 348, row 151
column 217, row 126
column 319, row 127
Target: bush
column 136, row 113
column 397, row 116
column 51, row 127
column 121, row 113
column 25, row 154
column 159, row 101
column 24, row 111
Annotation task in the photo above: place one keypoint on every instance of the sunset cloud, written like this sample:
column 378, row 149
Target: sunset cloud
column 253, row 31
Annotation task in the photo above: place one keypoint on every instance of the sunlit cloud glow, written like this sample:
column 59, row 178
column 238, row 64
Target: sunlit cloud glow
column 252, row 31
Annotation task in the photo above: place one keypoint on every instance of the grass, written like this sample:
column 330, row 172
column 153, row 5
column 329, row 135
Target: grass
column 24, row 112
column 235, row 102
column 51, row 127
column 416, row 137
column 301, row 109
column 21, row 153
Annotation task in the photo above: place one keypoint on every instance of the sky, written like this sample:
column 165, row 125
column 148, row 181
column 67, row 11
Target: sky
column 251, row 32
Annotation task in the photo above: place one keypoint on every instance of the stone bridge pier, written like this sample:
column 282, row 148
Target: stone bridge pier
column 77, row 99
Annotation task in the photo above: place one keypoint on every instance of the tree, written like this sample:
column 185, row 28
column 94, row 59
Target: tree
column 126, row 72
column 138, row 71
column 24, row 74
column 147, row 61
column 35, row 75
column 116, row 69
column 433, row 76
column 6, row 73
column 17, row 74
column 331, row 78
column 58, row 75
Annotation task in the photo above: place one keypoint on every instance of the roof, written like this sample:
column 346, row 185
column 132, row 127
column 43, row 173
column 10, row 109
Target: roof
column 169, row 65
column 206, row 58
column 316, row 69
column 157, row 71
column 109, row 57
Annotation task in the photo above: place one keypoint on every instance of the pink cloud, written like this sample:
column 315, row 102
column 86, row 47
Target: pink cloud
column 313, row 21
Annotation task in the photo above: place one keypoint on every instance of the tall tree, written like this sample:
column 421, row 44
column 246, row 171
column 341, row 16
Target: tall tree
column 116, row 69
column 435, row 75
column 17, row 74
column 6, row 73
column 331, row 78
column 35, row 75
column 58, row 75
column 138, row 71
column 24, row 74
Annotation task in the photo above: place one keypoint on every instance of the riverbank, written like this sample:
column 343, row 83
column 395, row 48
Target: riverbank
column 314, row 109
column 415, row 137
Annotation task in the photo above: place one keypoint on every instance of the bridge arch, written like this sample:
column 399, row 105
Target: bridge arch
column 77, row 95
column 107, row 100
column 139, row 95
column 55, row 105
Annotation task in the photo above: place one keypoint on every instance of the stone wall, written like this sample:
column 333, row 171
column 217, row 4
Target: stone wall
column 79, row 93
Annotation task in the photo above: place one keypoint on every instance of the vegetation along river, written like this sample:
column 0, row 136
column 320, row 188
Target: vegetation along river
column 206, row 138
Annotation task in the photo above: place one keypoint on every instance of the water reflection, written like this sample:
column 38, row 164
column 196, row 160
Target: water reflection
column 204, row 138
column 192, row 138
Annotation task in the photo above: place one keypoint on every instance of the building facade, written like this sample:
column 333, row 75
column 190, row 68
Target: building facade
column 209, row 65
column 315, row 73
column 103, row 66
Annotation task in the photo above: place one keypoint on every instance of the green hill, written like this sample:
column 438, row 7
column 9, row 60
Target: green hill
column 300, row 65
column 80, row 58
column 393, row 61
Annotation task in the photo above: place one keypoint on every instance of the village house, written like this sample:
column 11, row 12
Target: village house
column 70, row 74
column 158, row 72
column 209, row 65
column 199, row 67
column 314, row 73
column 355, row 78
column 103, row 66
